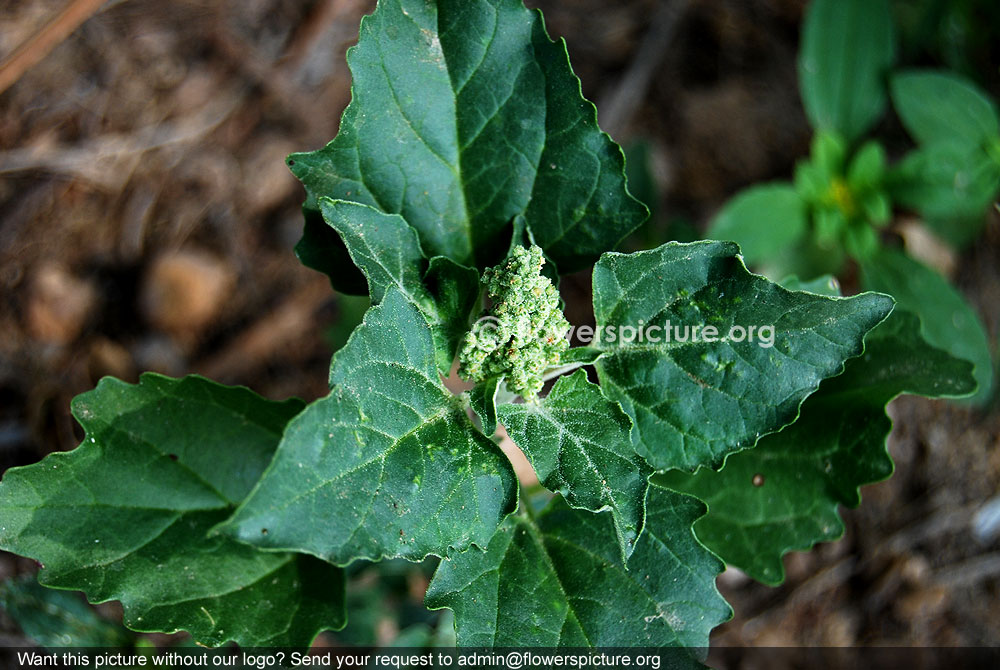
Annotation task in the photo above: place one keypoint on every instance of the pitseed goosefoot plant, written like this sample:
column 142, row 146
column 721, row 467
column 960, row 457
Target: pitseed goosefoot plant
column 844, row 196
column 468, row 146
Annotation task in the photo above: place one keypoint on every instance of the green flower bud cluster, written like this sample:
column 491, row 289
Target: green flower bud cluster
column 523, row 333
column 847, row 195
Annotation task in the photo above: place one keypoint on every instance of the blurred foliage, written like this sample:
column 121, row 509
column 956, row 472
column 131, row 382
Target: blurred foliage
column 54, row 618
column 835, row 216
column 961, row 34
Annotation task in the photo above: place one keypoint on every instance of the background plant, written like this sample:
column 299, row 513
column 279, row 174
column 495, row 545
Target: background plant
column 846, row 194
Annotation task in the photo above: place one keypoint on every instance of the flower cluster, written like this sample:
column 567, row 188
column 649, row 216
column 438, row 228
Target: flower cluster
column 524, row 332
column 848, row 198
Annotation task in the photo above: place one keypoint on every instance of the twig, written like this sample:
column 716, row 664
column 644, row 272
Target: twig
column 617, row 108
column 940, row 522
column 261, row 72
column 39, row 45
column 312, row 30
column 89, row 159
column 969, row 572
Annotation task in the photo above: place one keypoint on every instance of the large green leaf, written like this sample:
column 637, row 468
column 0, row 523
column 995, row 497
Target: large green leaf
column 127, row 515
column 943, row 107
column 764, row 220
column 388, row 252
column 388, row 465
column 578, row 442
column 53, row 619
column 847, row 49
column 465, row 115
column 783, row 494
column 948, row 322
column 556, row 581
column 694, row 401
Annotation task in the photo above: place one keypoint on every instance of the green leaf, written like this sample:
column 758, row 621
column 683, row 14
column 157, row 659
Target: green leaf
column 388, row 465
column 578, row 442
column 828, row 152
column 322, row 250
column 384, row 247
column 379, row 599
column 944, row 107
column 55, row 619
column 952, row 185
column 860, row 240
column 847, row 49
column 578, row 356
column 483, row 398
column 455, row 291
column 783, row 494
column 867, row 168
column 693, row 402
column 127, row 515
column 948, row 322
column 387, row 251
column 823, row 285
column 483, row 401
column 464, row 116
column 807, row 259
column 556, row 581
column 763, row 220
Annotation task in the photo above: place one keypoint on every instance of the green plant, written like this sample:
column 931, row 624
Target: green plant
column 468, row 151
column 844, row 196
column 57, row 618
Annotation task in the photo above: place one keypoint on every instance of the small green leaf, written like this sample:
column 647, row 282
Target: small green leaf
column 127, row 515
column 578, row 356
column 763, row 220
column 829, row 225
column 56, row 619
column 388, row 252
column 783, row 494
column 847, row 49
column 828, row 152
column 578, row 442
column 694, row 400
column 483, row 401
column 824, row 285
column 322, row 250
column 464, row 116
column 860, row 240
column 557, row 582
column 948, row 322
column 952, row 185
column 388, row 465
column 877, row 210
column 384, row 247
column 811, row 183
column 454, row 290
column 867, row 168
column 944, row 107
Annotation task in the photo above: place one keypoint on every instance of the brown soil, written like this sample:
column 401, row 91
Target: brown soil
column 147, row 222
